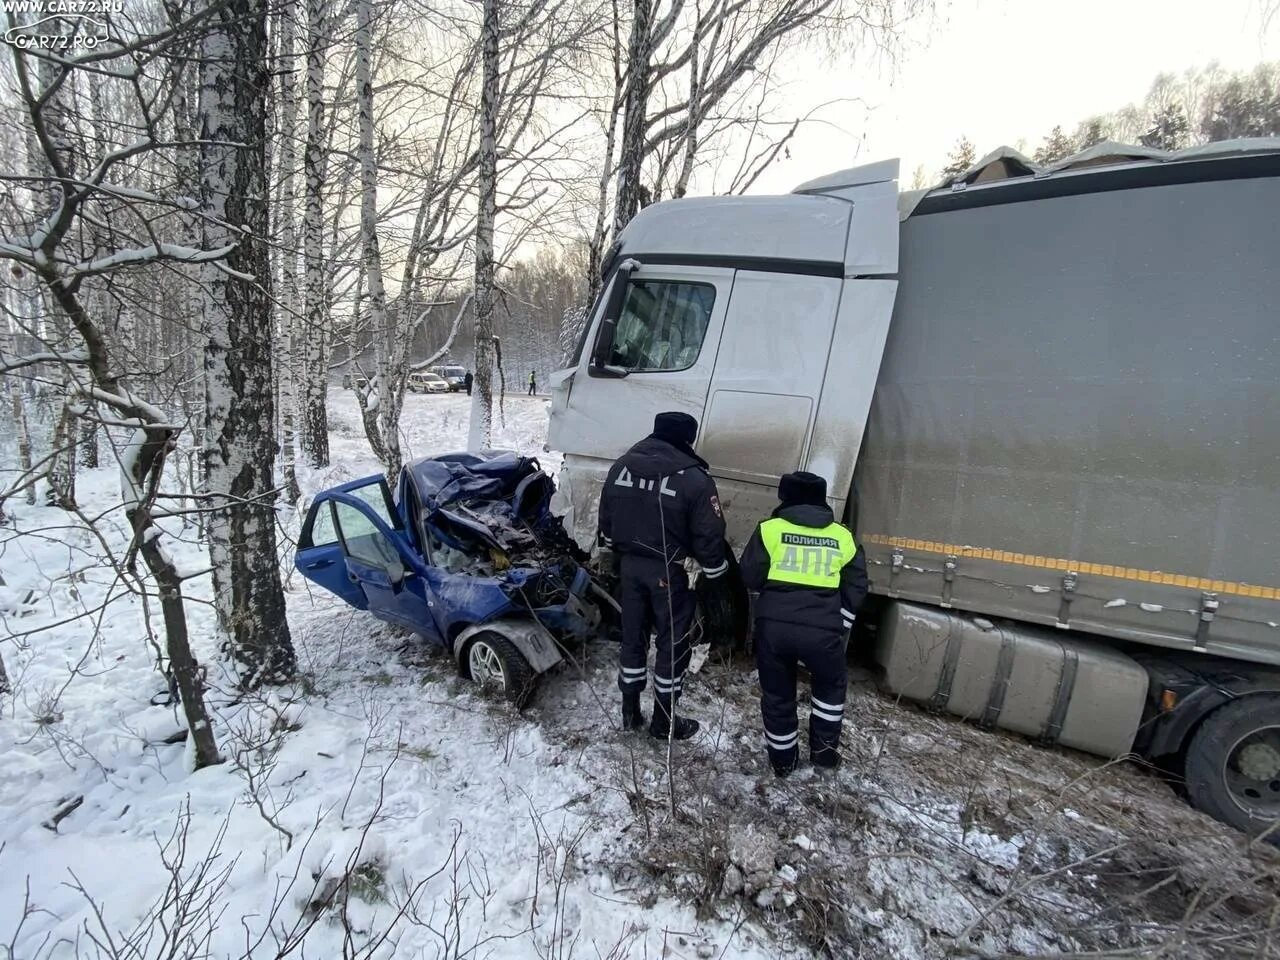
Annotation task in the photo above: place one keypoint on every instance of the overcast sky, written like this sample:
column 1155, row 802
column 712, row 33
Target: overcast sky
column 1000, row 70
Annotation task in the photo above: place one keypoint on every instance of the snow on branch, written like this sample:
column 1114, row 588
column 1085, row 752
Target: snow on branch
column 156, row 252
column 237, row 274
column 10, row 364
column 127, row 402
column 146, row 196
column 29, row 255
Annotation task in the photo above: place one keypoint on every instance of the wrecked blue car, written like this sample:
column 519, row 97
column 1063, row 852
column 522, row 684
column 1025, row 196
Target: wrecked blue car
column 467, row 554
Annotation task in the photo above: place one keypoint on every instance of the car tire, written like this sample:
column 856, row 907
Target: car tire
column 504, row 665
column 1237, row 736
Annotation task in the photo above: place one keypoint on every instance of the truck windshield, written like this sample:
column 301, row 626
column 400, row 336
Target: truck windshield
column 662, row 326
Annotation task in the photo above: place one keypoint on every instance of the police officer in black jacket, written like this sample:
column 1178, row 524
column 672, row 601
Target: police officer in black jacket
column 812, row 578
column 658, row 507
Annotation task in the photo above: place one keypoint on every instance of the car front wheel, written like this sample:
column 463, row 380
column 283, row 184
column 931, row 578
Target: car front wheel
column 493, row 662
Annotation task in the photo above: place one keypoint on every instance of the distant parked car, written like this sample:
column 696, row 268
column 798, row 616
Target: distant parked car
column 357, row 383
column 427, row 383
column 468, row 555
column 455, row 376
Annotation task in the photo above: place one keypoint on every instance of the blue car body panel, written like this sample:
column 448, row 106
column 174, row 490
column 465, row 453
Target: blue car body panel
column 493, row 507
column 326, row 565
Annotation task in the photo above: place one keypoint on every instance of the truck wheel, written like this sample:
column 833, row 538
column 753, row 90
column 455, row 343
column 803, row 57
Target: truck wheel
column 493, row 662
column 1233, row 764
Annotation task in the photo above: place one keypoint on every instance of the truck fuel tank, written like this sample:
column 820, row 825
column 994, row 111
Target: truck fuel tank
column 1056, row 688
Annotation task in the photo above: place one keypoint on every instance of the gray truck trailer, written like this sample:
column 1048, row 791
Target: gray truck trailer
column 1046, row 400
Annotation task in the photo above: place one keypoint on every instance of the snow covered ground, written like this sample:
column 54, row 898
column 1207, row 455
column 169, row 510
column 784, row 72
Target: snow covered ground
column 380, row 807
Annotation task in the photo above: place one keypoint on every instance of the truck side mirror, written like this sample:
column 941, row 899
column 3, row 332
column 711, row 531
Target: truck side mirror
column 612, row 373
column 604, row 343
column 609, row 325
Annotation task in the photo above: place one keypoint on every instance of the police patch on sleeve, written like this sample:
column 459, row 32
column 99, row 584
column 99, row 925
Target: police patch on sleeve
column 715, row 505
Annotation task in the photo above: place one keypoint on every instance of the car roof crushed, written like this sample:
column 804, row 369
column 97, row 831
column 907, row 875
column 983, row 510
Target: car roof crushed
column 495, row 499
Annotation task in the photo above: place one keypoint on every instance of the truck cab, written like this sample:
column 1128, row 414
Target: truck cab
column 762, row 317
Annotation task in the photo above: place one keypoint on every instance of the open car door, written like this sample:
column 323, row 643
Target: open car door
column 378, row 561
column 320, row 558
column 352, row 544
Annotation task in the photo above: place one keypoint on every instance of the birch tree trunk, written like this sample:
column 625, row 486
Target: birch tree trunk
column 191, row 390
column 315, row 419
column 17, row 407
column 595, row 249
column 636, row 105
column 288, row 160
column 600, row 233
column 480, row 435
column 97, row 137
column 17, row 404
column 695, row 107
column 380, row 403
column 88, row 444
column 61, row 491
column 239, row 419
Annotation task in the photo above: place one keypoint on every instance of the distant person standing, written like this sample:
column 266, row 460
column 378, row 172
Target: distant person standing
column 533, row 382
column 466, row 382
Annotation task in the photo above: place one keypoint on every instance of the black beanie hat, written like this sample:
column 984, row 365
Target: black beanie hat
column 799, row 488
column 678, row 428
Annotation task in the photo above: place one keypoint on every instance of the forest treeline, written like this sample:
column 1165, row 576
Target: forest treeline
column 1199, row 106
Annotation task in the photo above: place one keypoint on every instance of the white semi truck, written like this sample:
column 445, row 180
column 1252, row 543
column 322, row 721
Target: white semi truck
column 1047, row 401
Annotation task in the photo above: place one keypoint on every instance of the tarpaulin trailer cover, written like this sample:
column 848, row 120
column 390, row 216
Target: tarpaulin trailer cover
column 1077, row 416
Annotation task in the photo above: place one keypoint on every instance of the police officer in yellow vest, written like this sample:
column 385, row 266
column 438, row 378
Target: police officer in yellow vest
column 811, row 579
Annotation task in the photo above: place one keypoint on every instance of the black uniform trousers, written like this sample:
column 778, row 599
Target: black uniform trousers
column 779, row 648
column 655, row 599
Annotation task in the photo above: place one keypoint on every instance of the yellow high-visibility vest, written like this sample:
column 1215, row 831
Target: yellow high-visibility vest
column 808, row 556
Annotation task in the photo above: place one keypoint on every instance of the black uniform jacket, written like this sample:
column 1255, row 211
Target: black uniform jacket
column 659, row 502
column 820, row 608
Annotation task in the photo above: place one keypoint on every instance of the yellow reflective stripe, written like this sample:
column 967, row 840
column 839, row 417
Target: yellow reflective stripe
column 1098, row 569
column 803, row 561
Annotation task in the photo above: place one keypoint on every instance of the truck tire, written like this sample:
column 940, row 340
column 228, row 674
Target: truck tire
column 1233, row 764
column 492, row 661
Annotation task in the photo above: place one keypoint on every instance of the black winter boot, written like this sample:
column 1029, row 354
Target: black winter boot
column 682, row 729
column 632, row 718
column 827, row 760
column 685, row 728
